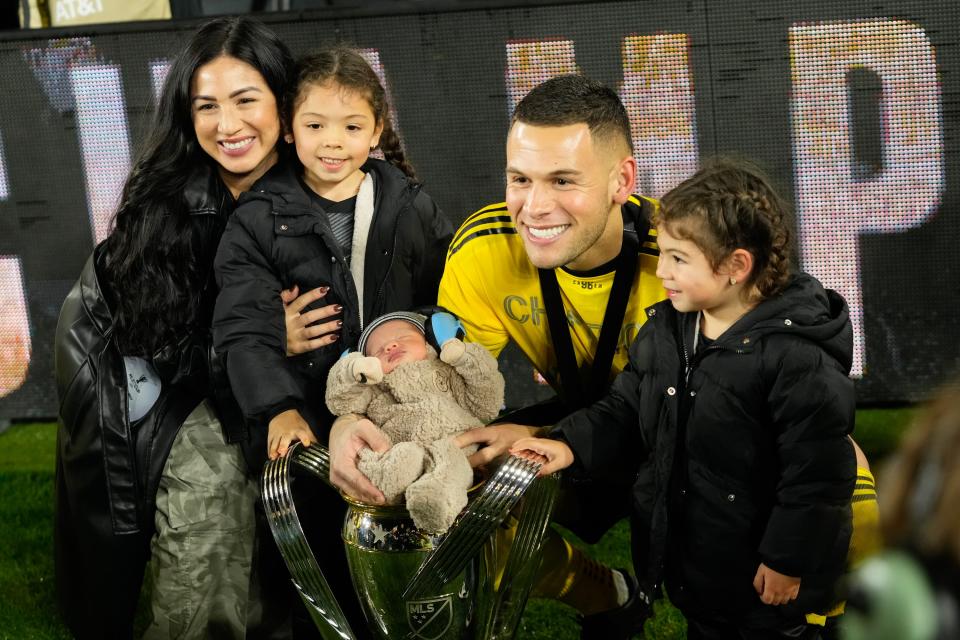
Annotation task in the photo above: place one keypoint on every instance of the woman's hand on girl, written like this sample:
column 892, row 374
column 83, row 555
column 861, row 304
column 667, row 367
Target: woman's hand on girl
column 305, row 331
column 285, row 429
column 775, row 588
column 552, row 454
column 351, row 433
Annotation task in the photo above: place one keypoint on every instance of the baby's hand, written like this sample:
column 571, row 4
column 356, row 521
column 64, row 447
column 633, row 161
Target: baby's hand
column 452, row 350
column 553, row 454
column 366, row 370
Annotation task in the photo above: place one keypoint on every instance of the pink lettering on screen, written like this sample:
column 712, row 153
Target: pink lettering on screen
column 657, row 91
column 835, row 206
column 14, row 326
column 104, row 139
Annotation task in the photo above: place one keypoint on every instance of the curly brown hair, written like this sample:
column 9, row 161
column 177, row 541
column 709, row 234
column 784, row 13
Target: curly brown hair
column 348, row 68
column 730, row 204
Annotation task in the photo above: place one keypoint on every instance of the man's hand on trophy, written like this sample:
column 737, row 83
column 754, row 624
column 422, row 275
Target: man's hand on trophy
column 554, row 455
column 285, row 429
column 366, row 370
column 495, row 440
column 351, row 433
column 452, row 351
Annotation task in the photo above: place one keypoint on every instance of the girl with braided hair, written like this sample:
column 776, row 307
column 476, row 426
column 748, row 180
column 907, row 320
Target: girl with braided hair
column 336, row 221
column 737, row 403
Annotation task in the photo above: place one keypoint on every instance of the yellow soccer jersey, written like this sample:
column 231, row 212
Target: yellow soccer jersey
column 490, row 284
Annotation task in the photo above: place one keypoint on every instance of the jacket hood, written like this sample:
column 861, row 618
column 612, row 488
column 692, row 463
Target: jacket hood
column 805, row 308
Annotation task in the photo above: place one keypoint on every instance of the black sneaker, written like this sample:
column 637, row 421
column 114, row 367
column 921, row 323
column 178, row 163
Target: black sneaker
column 621, row 623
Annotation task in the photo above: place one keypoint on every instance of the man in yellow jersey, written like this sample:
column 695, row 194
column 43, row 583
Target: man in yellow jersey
column 570, row 213
column 568, row 207
column 569, row 216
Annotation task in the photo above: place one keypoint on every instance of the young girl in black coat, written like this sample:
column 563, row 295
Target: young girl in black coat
column 737, row 402
column 358, row 229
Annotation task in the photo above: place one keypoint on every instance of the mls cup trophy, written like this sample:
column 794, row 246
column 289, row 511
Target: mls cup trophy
column 412, row 584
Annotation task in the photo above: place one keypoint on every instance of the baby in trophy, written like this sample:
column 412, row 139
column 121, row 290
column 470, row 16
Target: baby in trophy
column 415, row 378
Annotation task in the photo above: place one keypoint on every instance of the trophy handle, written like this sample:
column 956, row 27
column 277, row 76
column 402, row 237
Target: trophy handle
column 281, row 513
column 474, row 527
column 514, row 480
column 523, row 563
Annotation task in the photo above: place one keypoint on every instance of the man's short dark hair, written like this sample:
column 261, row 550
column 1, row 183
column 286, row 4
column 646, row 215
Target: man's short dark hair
column 572, row 99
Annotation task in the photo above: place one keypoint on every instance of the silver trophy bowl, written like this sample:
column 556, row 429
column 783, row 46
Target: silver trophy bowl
column 412, row 584
column 384, row 550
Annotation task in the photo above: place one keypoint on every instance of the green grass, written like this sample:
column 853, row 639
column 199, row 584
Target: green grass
column 27, row 609
column 878, row 430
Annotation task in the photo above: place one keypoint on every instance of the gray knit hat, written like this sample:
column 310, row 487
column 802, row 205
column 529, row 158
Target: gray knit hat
column 416, row 319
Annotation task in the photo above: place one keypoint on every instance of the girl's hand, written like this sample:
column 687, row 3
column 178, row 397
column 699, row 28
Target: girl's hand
column 496, row 440
column 285, row 429
column 553, row 454
column 775, row 588
column 350, row 434
column 305, row 332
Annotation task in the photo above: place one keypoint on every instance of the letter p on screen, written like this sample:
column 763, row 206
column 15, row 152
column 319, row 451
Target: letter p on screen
column 836, row 201
column 15, row 343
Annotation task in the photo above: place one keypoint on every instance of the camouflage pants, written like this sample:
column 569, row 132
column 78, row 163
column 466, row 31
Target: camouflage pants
column 202, row 552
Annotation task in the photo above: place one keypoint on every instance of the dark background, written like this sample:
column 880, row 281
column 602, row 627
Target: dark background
column 446, row 73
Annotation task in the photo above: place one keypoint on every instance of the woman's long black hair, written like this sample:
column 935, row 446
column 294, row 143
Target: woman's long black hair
column 157, row 259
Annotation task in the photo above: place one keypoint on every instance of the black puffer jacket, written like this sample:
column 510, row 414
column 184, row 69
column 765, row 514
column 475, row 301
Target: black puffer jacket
column 107, row 472
column 746, row 443
column 277, row 239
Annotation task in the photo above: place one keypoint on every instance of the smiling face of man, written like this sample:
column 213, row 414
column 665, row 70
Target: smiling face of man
column 564, row 191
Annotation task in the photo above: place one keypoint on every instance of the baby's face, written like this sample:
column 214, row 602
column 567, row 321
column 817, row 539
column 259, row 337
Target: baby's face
column 396, row 342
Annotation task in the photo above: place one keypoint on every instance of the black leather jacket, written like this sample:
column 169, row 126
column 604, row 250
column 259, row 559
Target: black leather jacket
column 107, row 470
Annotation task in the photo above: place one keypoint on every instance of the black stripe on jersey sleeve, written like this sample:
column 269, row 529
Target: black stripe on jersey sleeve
column 500, row 207
column 650, row 246
column 462, row 232
column 477, row 234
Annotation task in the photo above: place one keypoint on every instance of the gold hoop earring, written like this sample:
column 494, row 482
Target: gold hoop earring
column 733, row 280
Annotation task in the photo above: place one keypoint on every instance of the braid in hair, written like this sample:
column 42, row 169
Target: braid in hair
column 769, row 212
column 393, row 150
column 729, row 205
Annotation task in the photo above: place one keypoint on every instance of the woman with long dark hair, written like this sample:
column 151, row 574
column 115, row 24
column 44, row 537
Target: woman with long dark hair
column 145, row 446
